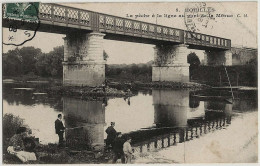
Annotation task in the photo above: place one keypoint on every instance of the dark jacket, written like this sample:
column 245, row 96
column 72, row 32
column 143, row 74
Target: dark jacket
column 59, row 126
column 118, row 145
column 111, row 134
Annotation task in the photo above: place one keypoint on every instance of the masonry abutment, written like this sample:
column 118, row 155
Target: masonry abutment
column 170, row 63
column 83, row 64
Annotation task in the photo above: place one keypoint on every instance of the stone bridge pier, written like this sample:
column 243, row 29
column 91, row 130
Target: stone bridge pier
column 170, row 63
column 83, row 64
column 216, row 58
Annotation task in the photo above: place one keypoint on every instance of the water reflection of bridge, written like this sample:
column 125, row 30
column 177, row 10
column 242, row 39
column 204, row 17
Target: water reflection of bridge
column 176, row 121
column 85, row 120
column 180, row 135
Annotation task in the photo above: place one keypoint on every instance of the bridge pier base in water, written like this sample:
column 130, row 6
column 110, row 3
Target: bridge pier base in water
column 170, row 63
column 84, row 64
column 216, row 58
column 85, row 121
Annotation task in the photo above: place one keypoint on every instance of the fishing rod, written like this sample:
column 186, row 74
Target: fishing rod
column 71, row 128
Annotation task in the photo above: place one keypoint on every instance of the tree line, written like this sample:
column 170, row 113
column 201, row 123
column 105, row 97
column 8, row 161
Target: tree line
column 134, row 72
column 32, row 61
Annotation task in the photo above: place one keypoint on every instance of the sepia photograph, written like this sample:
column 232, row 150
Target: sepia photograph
column 129, row 82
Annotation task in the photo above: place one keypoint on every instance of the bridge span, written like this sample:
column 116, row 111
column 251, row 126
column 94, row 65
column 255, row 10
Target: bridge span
column 83, row 45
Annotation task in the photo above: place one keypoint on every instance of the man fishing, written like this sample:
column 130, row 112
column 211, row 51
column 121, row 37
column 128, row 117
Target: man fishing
column 111, row 135
column 59, row 128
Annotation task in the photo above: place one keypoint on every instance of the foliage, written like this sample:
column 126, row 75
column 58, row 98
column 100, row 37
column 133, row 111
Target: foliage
column 29, row 58
column 50, row 64
column 140, row 72
column 193, row 59
column 31, row 61
column 72, row 59
column 20, row 61
column 12, row 63
column 214, row 75
column 10, row 124
column 163, row 51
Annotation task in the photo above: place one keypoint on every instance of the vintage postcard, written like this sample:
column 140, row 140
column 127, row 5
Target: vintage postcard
column 129, row 82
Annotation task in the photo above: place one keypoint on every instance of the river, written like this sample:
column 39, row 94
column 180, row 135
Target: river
column 159, row 121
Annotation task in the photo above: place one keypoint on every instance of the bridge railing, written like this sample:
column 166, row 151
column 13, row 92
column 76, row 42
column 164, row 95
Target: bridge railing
column 107, row 23
column 118, row 25
column 114, row 24
column 63, row 14
column 206, row 40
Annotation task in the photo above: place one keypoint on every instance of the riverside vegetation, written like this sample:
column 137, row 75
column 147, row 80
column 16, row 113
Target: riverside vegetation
column 47, row 154
column 29, row 63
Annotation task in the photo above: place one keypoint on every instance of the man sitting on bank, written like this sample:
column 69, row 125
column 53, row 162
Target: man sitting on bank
column 17, row 147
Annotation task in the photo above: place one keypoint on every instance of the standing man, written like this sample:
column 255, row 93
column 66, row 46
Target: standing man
column 128, row 151
column 118, row 148
column 111, row 135
column 59, row 127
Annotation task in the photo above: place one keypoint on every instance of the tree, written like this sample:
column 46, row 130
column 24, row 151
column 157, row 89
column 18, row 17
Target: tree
column 193, row 59
column 29, row 56
column 12, row 63
column 41, row 66
column 50, row 64
column 30, row 60
column 20, row 61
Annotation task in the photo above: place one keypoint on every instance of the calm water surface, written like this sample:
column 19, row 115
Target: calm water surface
column 144, row 113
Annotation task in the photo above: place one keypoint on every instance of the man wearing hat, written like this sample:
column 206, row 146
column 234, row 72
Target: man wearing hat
column 111, row 135
column 59, row 128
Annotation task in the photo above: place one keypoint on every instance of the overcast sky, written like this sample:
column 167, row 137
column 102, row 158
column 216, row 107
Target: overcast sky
column 242, row 30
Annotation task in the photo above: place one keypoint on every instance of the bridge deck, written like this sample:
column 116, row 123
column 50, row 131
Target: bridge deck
column 118, row 28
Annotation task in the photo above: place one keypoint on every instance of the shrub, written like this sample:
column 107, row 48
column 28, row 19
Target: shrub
column 10, row 124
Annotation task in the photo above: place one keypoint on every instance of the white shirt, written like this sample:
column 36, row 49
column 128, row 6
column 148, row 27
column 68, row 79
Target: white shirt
column 127, row 148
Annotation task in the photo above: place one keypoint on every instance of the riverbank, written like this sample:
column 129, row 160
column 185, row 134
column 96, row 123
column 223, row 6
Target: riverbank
column 137, row 85
column 118, row 83
column 236, row 144
column 51, row 154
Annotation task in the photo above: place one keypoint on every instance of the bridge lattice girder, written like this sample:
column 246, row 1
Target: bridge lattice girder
column 119, row 28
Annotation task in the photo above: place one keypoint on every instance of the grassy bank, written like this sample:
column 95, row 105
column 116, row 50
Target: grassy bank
column 48, row 154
